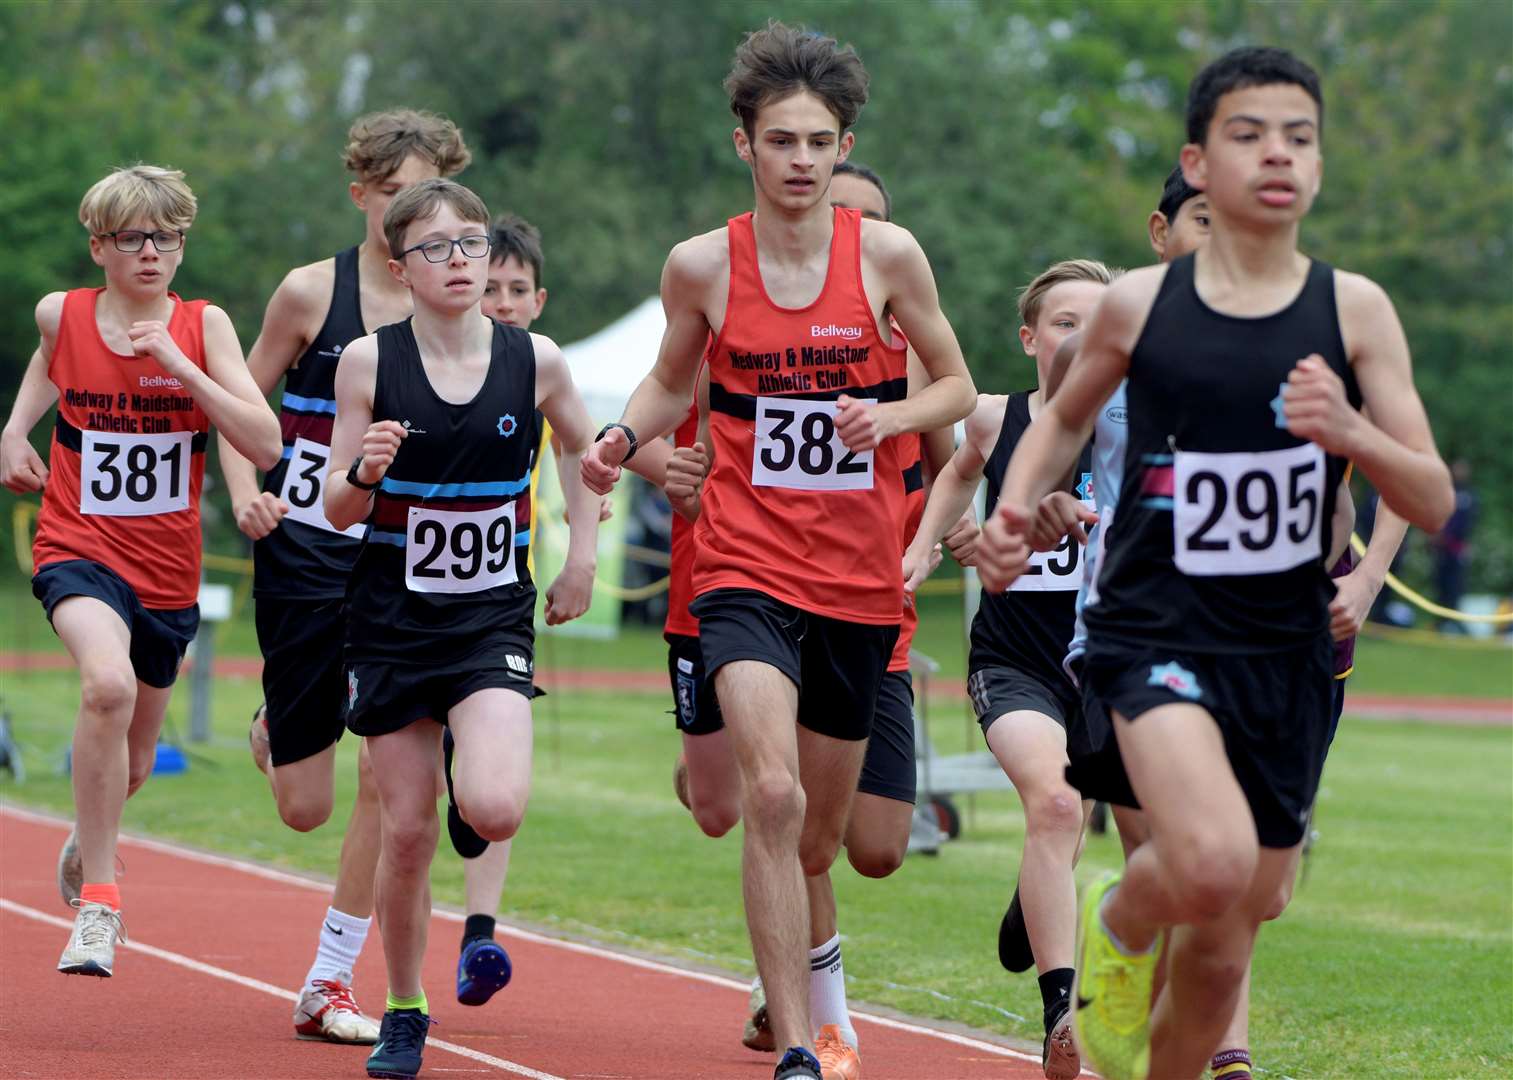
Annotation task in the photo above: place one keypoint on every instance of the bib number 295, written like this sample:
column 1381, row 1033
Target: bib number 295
column 797, row 447
column 1255, row 513
column 134, row 475
column 459, row 551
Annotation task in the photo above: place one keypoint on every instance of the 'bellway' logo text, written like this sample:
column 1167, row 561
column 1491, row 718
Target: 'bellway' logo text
column 158, row 380
column 851, row 332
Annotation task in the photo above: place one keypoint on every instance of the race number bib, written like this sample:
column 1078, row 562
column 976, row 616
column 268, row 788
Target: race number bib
column 797, row 447
column 459, row 551
column 305, row 488
column 1055, row 571
column 134, row 475
column 1248, row 513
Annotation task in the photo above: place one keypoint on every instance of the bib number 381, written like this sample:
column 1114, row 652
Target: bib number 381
column 797, row 447
column 1255, row 513
column 305, row 487
column 134, row 475
column 459, row 551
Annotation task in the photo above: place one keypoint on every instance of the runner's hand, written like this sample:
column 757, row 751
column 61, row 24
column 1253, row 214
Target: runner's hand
column 380, row 443
column 961, row 541
column 1315, row 408
column 601, row 462
column 1002, row 550
column 261, row 516
column 151, row 338
column 21, row 467
column 861, row 425
column 684, row 486
column 919, row 565
column 1059, row 515
column 1353, row 597
column 570, row 594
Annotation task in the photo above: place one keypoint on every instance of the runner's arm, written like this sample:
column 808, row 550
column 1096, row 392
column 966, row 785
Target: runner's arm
column 951, row 493
column 1358, row 590
column 559, row 401
column 354, row 433
column 280, row 342
column 21, row 467
column 661, row 399
column 1394, row 448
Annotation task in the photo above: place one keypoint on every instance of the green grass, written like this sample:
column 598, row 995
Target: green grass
column 1396, row 958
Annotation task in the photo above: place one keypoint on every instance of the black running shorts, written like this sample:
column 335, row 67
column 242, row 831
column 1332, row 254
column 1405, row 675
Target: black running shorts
column 998, row 690
column 303, row 680
column 383, row 696
column 837, row 665
column 695, row 708
column 1274, row 710
column 159, row 636
column 888, row 769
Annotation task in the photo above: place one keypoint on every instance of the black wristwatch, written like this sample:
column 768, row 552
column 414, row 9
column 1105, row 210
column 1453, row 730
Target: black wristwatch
column 629, row 434
column 355, row 482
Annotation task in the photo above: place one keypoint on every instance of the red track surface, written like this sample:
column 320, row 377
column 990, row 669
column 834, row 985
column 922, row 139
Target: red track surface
column 205, row 989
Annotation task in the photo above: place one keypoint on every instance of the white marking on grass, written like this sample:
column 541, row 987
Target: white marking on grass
column 169, row 848
column 268, row 988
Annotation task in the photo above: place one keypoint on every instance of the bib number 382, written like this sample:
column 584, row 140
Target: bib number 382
column 134, row 475
column 459, row 551
column 797, row 447
column 1248, row 513
column 305, row 487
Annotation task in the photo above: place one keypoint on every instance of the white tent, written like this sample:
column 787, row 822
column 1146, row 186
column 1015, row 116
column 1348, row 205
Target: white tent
column 608, row 365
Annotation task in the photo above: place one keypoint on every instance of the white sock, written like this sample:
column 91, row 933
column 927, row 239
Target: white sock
column 827, row 990
column 341, row 940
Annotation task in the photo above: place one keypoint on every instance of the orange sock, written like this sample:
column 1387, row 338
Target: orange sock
column 109, row 895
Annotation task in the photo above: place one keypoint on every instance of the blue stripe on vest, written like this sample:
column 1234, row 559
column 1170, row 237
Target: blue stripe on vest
column 482, row 489
column 308, row 404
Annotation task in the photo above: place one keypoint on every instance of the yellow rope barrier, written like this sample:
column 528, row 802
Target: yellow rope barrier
column 1422, row 602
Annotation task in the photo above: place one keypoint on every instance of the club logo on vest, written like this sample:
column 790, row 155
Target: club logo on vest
column 334, row 352
column 851, row 333
column 411, row 428
column 147, row 381
column 1117, row 414
column 1177, row 679
column 1085, row 487
column 507, row 425
column 1278, row 407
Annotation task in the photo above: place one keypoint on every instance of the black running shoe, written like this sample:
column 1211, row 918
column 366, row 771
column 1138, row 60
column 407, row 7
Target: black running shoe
column 465, row 841
column 401, row 1039
column 798, row 1064
column 1014, row 939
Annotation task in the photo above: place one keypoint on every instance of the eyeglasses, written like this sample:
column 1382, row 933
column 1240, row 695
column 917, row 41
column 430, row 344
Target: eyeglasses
column 131, row 240
column 474, row 247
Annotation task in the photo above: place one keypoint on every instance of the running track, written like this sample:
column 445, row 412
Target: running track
column 205, row 989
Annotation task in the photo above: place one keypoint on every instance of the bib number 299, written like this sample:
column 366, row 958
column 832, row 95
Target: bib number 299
column 134, row 475
column 459, row 551
column 1253, row 513
column 797, row 447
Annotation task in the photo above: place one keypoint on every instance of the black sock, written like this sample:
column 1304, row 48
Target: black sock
column 482, row 926
column 1056, row 994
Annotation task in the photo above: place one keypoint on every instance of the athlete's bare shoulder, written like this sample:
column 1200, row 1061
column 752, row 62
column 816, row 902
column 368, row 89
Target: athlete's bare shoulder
column 308, row 287
column 50, row 314
column 986, row 420
column 1366, row 314
column 359, row 358
column 886, row 243
column 700, row 259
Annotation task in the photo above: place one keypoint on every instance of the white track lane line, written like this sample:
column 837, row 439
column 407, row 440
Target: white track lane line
column 267, row 988
column 167, row 848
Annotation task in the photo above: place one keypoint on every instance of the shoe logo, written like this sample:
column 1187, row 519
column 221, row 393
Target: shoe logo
column 1176, row 678
column 334, row 930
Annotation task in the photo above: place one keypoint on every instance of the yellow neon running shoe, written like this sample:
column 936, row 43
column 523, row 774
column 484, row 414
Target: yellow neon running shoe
column 1111, row 993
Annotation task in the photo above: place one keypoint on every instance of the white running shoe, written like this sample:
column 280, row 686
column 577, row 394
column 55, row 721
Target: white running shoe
column 757, row 1034
column 91, row 948
column 328, row 1011
column 70, row 869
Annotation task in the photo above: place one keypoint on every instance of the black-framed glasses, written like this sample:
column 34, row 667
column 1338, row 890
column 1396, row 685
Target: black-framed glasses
column 131, row 240
column 475, row 246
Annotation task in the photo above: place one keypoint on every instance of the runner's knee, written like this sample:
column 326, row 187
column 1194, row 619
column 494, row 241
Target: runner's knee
column 715, row 817
column 1212, row 873
column 496, row 816
column 1053, row 811
column 409, row 842
column 775, row 802
column 108, row 691
column 303, row 811
column 877, row 859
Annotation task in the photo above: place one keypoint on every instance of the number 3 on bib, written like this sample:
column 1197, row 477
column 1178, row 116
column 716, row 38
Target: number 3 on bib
column 797, row 447
column 304, row 488
column 1254, row 513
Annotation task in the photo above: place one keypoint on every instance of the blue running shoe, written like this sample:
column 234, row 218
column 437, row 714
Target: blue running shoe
column 798, row 1064
column 401, row 1039
column 483, row 970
